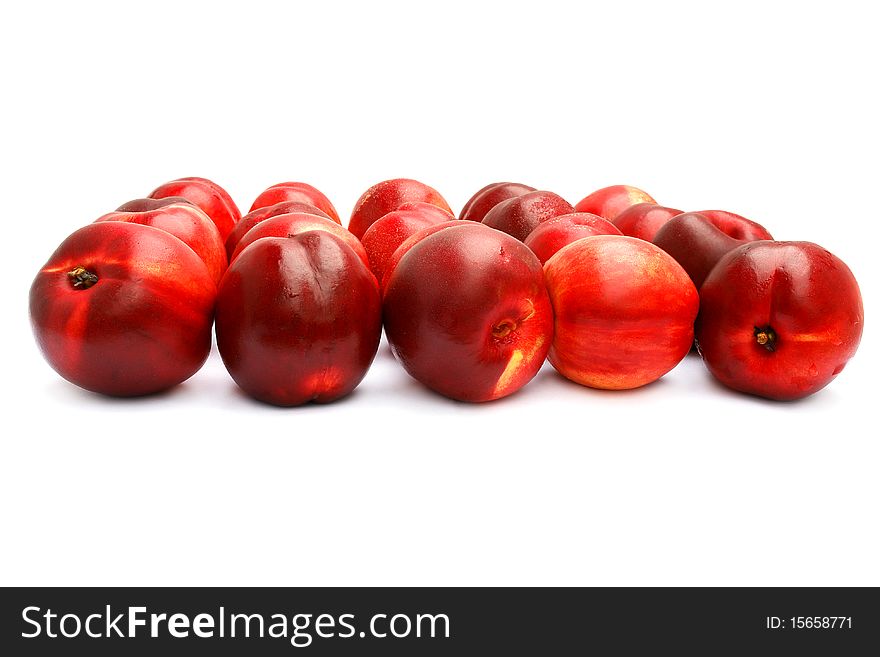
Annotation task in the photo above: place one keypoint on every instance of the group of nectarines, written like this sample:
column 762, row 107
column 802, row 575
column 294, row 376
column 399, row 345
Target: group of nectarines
column 613, row 291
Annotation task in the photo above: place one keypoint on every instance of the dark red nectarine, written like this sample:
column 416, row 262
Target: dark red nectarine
column 520, row 215
column 697, row 241
column 737, row 226
column 491, row 195
column 298, row 319
column 467, row 314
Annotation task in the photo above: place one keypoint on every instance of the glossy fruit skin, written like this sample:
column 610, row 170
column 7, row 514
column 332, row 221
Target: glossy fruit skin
column 385, row 235
column 296, row 191
column 388, row 195
column 288, row 225
column 213, row 200
column 643, row 220
column 624, row 312
column 254, row 217
column 489, row 196
column 698, row 242
column 408, row 243
column 428, row 209
column 609, row 202
column 802, row 300
column 553, row 234
column 183, row 220
column 467, row 314
column 298, row 319
column 736, row 226
column 520, row 215
column 144, row 326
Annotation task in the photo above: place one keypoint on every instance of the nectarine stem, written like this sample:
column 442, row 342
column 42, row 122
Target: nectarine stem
column 502, row 329
column 81, row 278
column 766, row 337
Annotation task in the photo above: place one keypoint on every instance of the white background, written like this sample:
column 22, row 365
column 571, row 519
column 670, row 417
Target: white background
column 766, row 109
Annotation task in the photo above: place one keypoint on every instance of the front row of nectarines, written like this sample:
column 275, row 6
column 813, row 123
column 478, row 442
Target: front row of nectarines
column 612, row 291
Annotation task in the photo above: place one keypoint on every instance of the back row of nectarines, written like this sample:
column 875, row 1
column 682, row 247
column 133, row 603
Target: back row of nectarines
column 609, row 290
